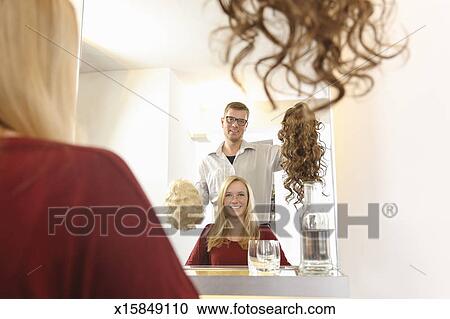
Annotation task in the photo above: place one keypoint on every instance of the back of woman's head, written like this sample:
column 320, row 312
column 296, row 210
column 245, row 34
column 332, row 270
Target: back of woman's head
column 302, row 150
column 38, row 67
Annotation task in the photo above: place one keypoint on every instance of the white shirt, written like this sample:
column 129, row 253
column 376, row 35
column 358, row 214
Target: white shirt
column 254, row 162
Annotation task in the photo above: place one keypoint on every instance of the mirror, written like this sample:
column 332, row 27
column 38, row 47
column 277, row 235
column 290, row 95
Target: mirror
column 152, row 89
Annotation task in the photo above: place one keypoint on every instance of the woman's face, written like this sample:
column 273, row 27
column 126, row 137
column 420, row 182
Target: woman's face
column 236, row 199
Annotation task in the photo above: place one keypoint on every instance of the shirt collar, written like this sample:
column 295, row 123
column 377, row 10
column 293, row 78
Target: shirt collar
column 244, row 145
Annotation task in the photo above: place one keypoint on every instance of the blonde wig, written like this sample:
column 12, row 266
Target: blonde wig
column 302, row 150
column 185, row 205
column 220, row 230
column 315, row 42
column 39, row 43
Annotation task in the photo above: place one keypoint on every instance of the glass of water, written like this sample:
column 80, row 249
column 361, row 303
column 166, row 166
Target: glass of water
column 263, row 257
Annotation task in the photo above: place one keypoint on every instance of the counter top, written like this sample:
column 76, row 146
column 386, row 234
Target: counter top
column 236, row 281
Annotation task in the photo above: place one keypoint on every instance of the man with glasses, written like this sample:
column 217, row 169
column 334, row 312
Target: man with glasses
column 253, row 161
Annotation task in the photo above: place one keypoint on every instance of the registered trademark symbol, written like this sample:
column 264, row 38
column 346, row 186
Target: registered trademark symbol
column 389, row 210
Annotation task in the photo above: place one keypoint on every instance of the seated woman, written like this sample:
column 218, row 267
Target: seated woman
column 225, row 242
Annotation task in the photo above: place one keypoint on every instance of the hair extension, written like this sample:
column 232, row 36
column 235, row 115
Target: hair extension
column 302, row 150
column 340, row 41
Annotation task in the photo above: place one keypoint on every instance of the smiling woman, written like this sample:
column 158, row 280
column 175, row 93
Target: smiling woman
column 226, row 241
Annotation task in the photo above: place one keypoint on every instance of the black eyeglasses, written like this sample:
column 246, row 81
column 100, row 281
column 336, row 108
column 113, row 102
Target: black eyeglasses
column 232, row 119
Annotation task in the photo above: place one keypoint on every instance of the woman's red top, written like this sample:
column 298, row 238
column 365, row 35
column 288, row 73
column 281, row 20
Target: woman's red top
column 42, row 183
column 229, row 253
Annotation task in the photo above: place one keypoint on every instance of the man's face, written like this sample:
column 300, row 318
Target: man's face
column 231, row 128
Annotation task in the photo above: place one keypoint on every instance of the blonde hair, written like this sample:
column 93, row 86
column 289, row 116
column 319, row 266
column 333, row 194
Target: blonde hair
column 219, row 231
column 38, row 67
column 185, row 204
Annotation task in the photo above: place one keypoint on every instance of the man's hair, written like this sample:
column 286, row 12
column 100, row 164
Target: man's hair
column 237, row 106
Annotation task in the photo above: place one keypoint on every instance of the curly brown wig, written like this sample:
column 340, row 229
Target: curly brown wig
column 327, row 42
column 302, row 150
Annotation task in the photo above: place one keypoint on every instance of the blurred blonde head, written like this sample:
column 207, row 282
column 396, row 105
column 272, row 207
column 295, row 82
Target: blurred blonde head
column 219, row 231
column 37, row 74
column 185, row 205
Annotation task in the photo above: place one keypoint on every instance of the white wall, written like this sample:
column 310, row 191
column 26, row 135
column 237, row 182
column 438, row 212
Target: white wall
column 392, row 146
column 115, row 117
column 181, row 147
column 182, row 153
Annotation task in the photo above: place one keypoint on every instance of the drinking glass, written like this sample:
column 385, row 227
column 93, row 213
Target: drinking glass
column 263, row 257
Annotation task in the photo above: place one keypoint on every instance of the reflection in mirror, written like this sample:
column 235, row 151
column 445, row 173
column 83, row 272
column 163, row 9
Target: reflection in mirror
column 225, row 242
column 184, row 204
column 155, row 94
